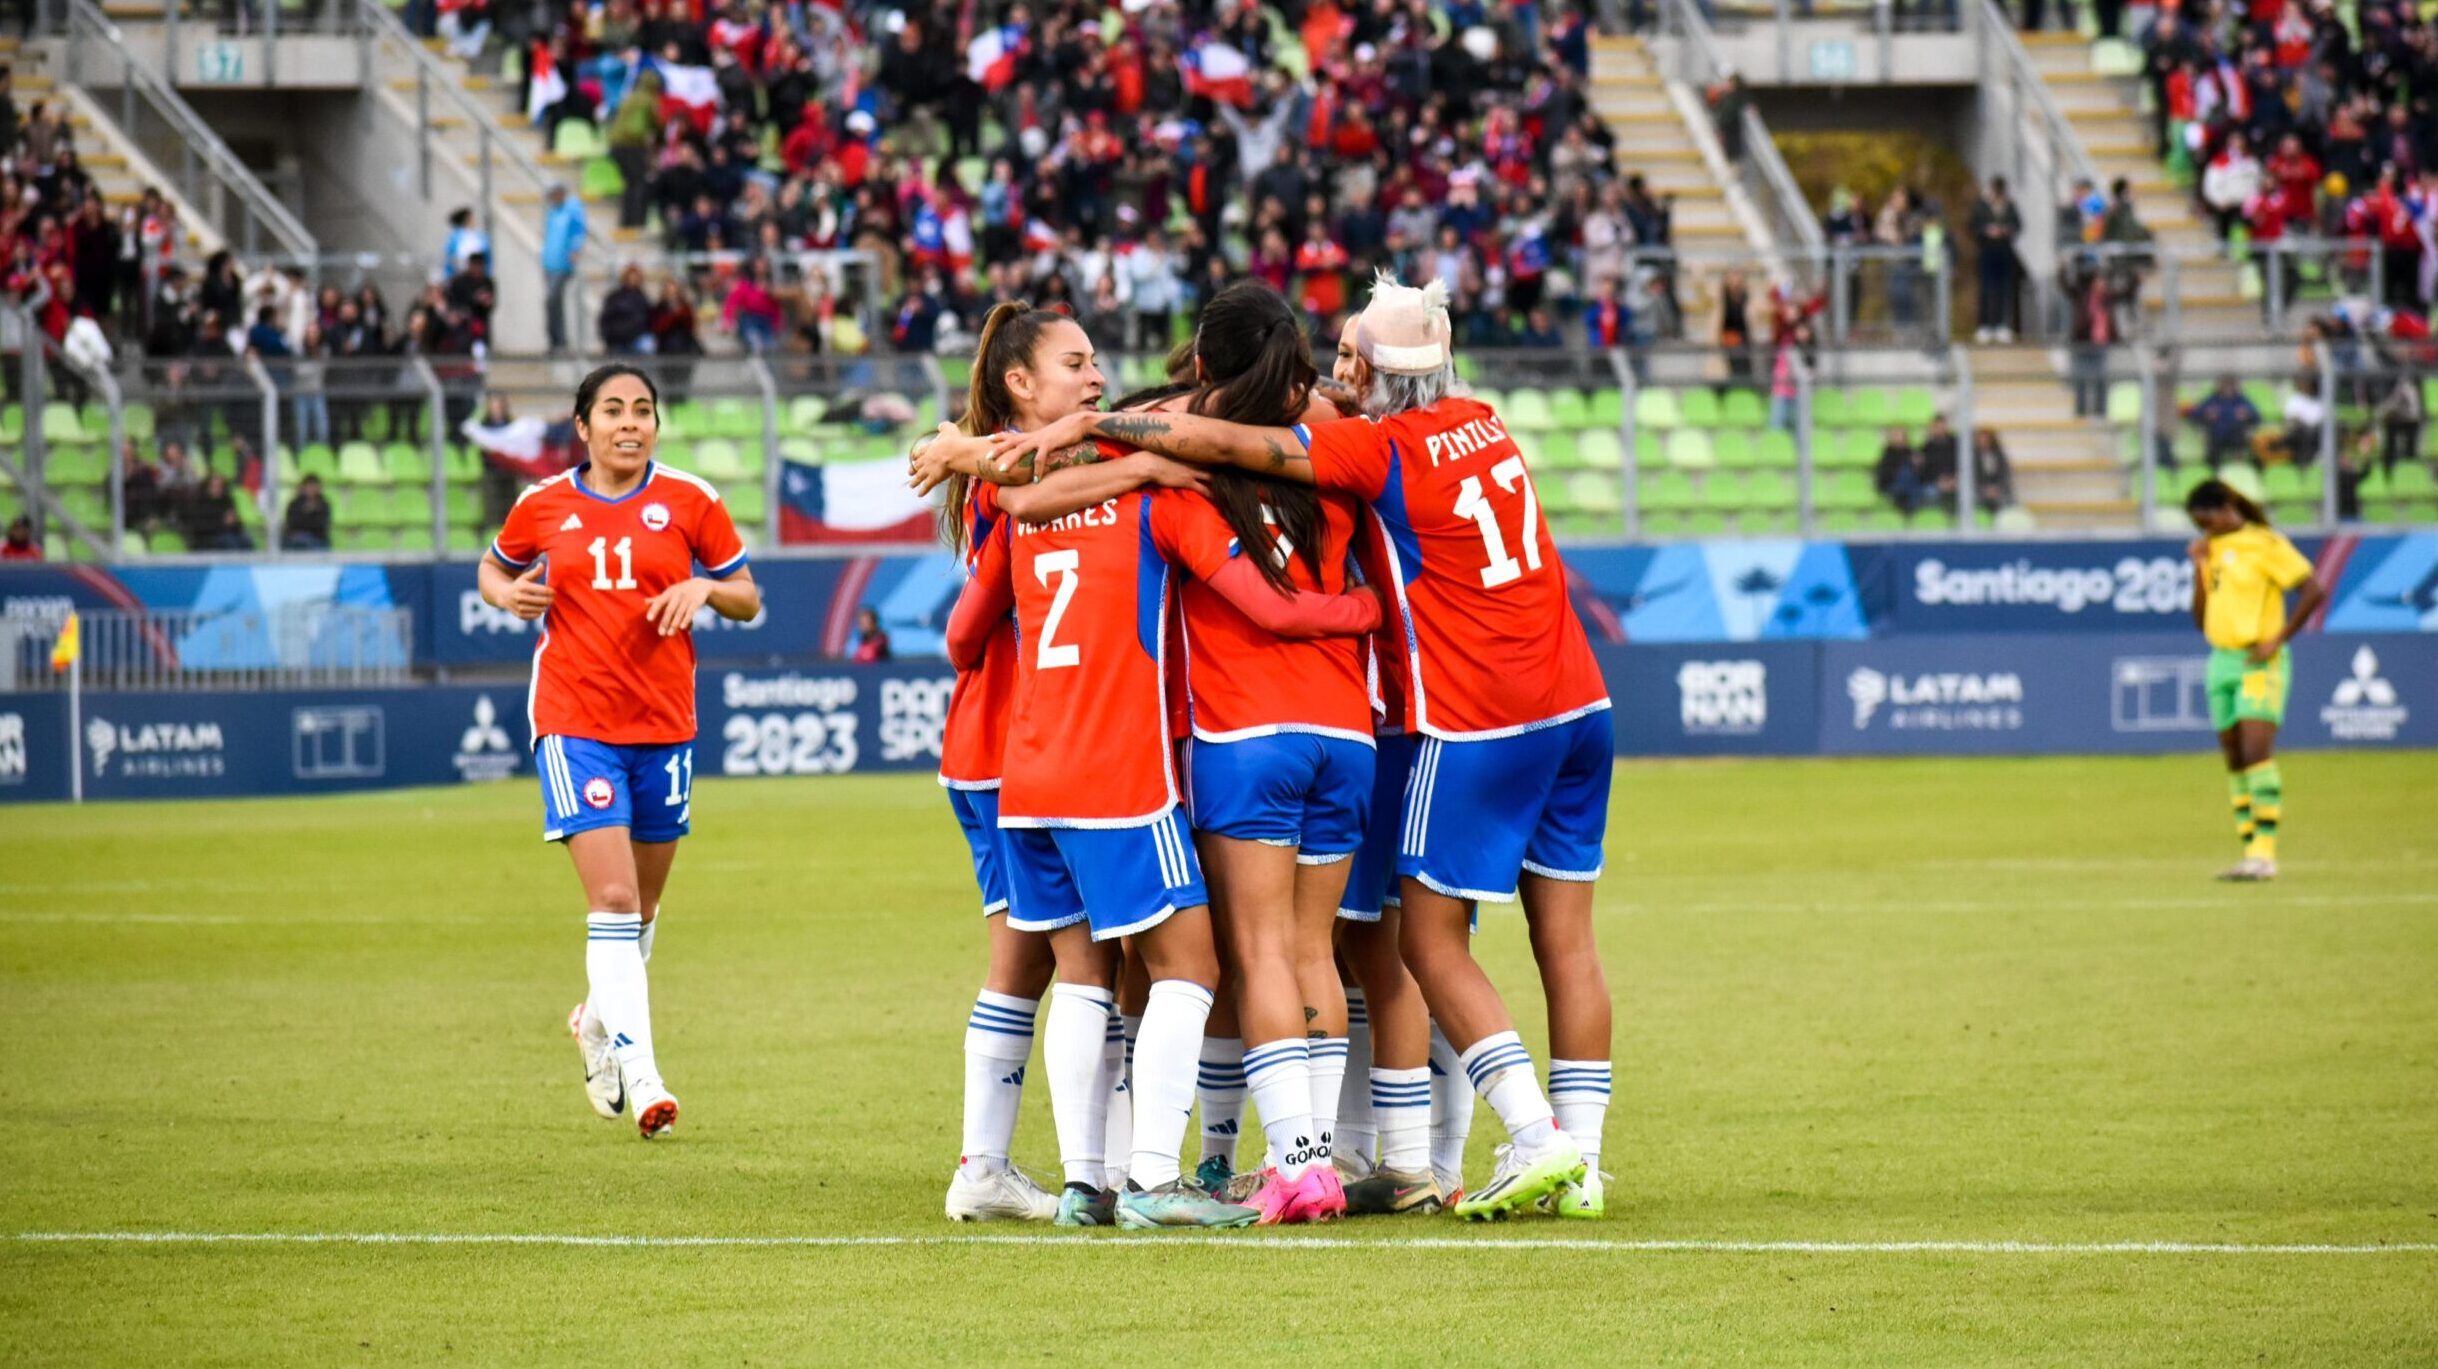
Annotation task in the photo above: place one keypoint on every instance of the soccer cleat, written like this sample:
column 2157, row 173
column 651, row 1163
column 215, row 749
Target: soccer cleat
column 2249, row 870
column 655, row 1108
column 1353, row 1168
column 1007, row 1196
column 1084, row 1205
column 1584, row 1200
column 1392, row 1193
column 1313, row 1196
column 1213, row 1175
column 604, row 1084
column 1330, row 1204
column 1178, row 1203
column 1523, row 1179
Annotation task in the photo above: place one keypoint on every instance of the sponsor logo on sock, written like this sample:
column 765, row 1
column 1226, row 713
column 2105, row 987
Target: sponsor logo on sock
column 1226, row 1128
column 1016, row 1078
column 621, row 1041
column 1305, row 1152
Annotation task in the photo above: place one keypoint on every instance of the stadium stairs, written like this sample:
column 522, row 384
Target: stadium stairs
column 119, row 168
column 2069, row 472
column 1657, row 136
column 2106, row 114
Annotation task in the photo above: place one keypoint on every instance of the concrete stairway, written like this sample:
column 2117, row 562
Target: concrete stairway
column 2105, row 112
column 119, row 168
column 1628, row 92
column 2068, row 471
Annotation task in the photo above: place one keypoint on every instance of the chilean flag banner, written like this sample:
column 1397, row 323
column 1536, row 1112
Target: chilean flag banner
column 990, row 59
column 1218, row 72
column 693, row 90
column 855, row 501
column 549, row 87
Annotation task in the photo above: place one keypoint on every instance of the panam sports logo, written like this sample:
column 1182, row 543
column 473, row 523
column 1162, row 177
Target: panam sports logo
column 2363, row 707
column 1945, row 701
column 1722, row 698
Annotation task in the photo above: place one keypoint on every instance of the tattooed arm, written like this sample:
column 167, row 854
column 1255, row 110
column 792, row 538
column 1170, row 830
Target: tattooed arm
column 1087, row 480
column 948, row 452
column 1275, row 452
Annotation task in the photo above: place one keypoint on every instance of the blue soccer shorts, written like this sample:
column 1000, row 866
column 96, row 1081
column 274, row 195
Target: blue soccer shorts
column 1300, row 789
column 1123, row 880
column 1372, row 884
column 1478, row 814
column 977, row 813
column 648, row 790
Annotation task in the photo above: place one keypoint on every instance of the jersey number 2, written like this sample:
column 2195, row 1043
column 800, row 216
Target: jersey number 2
column 1472, row 503
column 1068, row 567
column 626, row 563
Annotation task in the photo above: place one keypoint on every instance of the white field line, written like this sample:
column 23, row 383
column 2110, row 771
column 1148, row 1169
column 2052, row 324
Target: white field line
column 1622, row 1247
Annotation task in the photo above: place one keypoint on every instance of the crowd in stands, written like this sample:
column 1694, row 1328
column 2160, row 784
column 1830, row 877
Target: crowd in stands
column 1915, row 476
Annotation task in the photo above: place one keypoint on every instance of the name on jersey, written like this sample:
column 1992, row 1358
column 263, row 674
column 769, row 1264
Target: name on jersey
column 1469, row 438
column 1100, row 515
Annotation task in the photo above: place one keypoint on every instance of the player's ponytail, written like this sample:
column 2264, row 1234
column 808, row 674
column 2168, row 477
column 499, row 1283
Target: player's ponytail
column 1010, row 331
column 2214, row 494
column 1257, row 368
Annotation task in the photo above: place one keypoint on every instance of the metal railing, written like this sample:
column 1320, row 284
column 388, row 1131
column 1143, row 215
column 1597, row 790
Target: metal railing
column 2049, row 159
column 1760, row 170
column 290, row 646
column 152, row 116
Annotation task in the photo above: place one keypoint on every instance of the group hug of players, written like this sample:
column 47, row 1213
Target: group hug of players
column 1262, row 683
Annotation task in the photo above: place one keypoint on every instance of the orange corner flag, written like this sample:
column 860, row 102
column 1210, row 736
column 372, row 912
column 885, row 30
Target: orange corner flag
column 65, row 651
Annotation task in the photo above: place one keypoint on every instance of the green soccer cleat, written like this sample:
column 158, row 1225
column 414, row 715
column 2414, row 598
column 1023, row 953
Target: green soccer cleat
column 1213, row 1174
column 1178, row 1203
column 1084, row 1205
column 1522, row 1180
column 1584, row 1201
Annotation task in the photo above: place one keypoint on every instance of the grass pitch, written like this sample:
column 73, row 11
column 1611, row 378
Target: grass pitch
column 1861, row 1004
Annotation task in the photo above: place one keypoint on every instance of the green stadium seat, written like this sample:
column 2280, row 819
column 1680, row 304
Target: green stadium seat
column 1594, row 493
column 802, row 449
column 1732, row 448
column 716, row 460
column 356, row 537
column 577, row 140
column 1648, row 454
column 1831, row 408
column 359, row 464
column 167, row 543
column 82, row 464
column 1601, row 449
column 1743, row 409
column 746, row 501
column 2014, row 518
column 1528, row 411
column 803, row 412
column 1689, row 448
column 1665, row 523
column 2412, row 480
column 1776, row 450
column 1882, row 519
column 750, row 459
column 2239, row 476
column 1861, row 447
column 1770, row 489
column 463, row 506
column 1494, row 399
column 1707, row 523
column 1557, row 495
column 1915, row 407
column 140, row 421
column 1607, row 409
column 415, row 539
column 2284, row 484
column 462, row 464
column 1933, row 520
column 736, row 419
column 1723, row 490
column 12, row 425
column 60, row 423
column 86, row 505
column 1846, row 489
column 408, row 464
column 1569, row 409
column 1699, row 408
column 1870, row 409
column 1666, row 490
column 601, row 180
column 686, row 418
column 2125, row 403
column 1657, row 411
column 1838, row 520
column 465, row 542
column 1559, row 451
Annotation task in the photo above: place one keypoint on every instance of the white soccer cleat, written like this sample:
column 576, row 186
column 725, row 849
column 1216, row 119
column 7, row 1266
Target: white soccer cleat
column 604, row 1084
column 1007, row 1196
column 2249, row 870
column 655, row 1108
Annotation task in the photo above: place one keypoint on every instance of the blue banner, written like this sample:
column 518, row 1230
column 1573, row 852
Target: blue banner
column 1751, row 699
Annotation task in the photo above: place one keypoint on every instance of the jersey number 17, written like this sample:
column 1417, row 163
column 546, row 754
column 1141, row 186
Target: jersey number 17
column 1472, row 501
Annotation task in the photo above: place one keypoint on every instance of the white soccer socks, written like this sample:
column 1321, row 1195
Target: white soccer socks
column 998, row 1040
column 1328, row 1070
column 1451, row 1112
column 1279, row 1074
column 618, row 992
column 1117, row 1065
column 1166, row 1057
column 1072, row 1041
column 1222, row 1091
column 1578, row 1090
column 1357, row 1131
column 1401, row 1103
column 1501, row 1071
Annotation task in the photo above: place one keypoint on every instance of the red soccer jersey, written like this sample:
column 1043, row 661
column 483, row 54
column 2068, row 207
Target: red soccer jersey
column 1245, row 681
column 976, row 733
column 601, row 670
column 1492, row 642
column 1088, row 746
column 1384, row 659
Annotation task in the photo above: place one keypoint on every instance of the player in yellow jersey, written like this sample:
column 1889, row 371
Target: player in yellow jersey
column 2242, row 572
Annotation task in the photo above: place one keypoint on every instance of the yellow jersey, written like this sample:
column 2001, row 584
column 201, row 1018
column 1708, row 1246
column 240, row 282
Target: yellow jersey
column 2249, row 573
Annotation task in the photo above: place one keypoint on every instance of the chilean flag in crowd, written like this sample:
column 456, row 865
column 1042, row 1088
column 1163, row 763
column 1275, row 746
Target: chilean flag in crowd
column 549, row 87
column 990, row 59
column 1218, row 72
column 930, row 236
column 691, row 89
column 859, row 501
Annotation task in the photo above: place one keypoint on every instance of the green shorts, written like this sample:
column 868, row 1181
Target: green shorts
column 2240, row 691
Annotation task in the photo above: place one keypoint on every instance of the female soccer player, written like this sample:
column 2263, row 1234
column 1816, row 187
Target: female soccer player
column 1090, row 795
column 1509, row 792
column 1017, row 380
column 604, row 557
column 2242, row 569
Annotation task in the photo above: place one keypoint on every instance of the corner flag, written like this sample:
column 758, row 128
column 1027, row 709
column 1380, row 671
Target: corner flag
column 68, row 648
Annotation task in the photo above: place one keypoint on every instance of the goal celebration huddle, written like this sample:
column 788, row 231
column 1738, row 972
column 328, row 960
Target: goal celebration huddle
column 1263, row 683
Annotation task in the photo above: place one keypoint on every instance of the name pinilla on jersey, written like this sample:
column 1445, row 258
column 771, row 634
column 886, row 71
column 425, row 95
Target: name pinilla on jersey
column 1469, row 439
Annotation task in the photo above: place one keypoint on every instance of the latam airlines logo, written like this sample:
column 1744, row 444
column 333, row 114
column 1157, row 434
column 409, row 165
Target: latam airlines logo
column 157, row 750
column 1723, row 698
column 1937, row 702
column 2363, row 706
